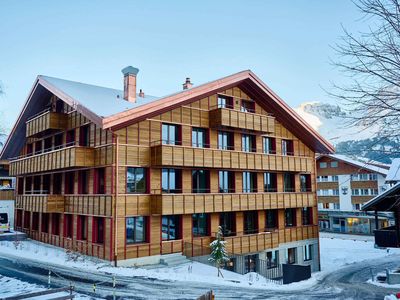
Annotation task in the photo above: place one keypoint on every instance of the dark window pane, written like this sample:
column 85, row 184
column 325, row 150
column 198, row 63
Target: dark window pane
column 136, row 180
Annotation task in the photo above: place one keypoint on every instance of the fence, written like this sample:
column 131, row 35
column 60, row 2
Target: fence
column 272, row 273
column 47, row 293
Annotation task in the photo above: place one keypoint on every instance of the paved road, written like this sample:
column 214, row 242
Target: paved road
column 349, row 283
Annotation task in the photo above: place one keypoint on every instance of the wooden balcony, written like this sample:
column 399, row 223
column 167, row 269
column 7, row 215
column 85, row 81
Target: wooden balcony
column 328, row 199
column 7, row 194
column 174, row 204
column 182, row 156
column 70, row 157
column 45, row 121
column 41, row 203
column 250, row 243
column 225, row 117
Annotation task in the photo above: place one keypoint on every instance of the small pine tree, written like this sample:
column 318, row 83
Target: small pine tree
column 218, row 251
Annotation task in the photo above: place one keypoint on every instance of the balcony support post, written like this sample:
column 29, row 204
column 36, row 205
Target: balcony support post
column 376, row 220
column 397, row 222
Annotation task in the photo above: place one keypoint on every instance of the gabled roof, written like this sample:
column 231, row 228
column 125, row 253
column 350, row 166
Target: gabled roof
column 385, row 201
column 394, row 171
column 356, row 163
column 106, row 107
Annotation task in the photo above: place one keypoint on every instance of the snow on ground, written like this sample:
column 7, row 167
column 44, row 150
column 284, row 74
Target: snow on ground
column 10, row 287
column 336, row 251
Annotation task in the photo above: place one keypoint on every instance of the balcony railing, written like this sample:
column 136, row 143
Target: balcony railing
column 189, row 203
column 225, row 117
column 40, row 203
column 183, row 156
column 46, row 120
column 69, row 157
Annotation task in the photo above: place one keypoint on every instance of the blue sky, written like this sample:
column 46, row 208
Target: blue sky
column 286, row 43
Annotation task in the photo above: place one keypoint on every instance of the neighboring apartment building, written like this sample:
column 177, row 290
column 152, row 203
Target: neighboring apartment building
column 7, row 197
column 343, row 186
column 129, row 177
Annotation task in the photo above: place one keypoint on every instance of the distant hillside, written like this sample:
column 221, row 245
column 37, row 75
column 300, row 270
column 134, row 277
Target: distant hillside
column 333, row 124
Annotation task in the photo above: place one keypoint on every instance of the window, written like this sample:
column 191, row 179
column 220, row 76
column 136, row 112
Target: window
column 48, row 144
column 336, row 206
column 307, row 252
column 288, row 183
column 36, row 184
column 269, row 145
column 46, row 184
column 225, row 102
column 272, row 259
column 200, row 225
column 250, row 263
column 27, row 220
column 69, row 182
column 38, row 147
column 136, row 230
column 225, row 140
column 18, row 220
column 200, row 137
column 247, row 106
column 136, row 180
column 68, row 226
column 271, row 218
column 364, row 177
column 99, row 181
column 55, row 223
column 84, row 137
column 70, row 139
column 328, row 192
column 83, row 182
column 334, row 164
column 306, row 215
column 226, row 182
column 171, row 180
column 58, row 141
column 171, row 134
column 171, row 228
column 200, row 181
column 227, row 221
column 82, row 228
column 248, row 143
column 45, row 222
column 98, row 230
column 270, row 182
column 28, row 185
column 250, row 222
column 29, row 149
column 35, row 221
column 287, row 147
column 249, row 182
column 323, row 165
column 356, row 206
column 290, row 217
column 305, row 182
column 57, row 183
column 291, row 255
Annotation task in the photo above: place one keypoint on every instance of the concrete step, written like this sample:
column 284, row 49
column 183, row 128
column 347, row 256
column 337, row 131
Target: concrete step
column 173, row 259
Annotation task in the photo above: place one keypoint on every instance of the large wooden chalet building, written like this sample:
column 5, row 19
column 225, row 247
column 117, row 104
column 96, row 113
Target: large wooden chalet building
column 128, row 177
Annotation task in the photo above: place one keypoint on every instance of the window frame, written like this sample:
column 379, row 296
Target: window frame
column 135, row 181
column 135, row 221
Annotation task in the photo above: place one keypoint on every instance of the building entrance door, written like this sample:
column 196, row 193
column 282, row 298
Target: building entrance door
column 342, row 225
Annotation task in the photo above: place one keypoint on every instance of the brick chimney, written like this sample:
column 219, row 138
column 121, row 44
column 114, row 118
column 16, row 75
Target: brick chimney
column 187, row 84
column 130, row 83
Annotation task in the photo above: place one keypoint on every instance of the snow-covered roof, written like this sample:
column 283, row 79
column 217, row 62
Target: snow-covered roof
column 357, row 163
column 394, row 171
column 102, row 101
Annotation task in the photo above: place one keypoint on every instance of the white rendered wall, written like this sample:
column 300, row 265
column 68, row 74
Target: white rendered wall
column 345, row 199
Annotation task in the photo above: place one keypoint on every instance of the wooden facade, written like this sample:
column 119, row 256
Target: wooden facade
column 83, row 187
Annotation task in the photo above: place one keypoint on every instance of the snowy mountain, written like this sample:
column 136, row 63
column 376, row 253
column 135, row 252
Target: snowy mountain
column 332, row 122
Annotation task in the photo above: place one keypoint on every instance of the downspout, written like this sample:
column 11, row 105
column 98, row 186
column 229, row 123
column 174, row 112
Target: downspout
column 116, row 137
